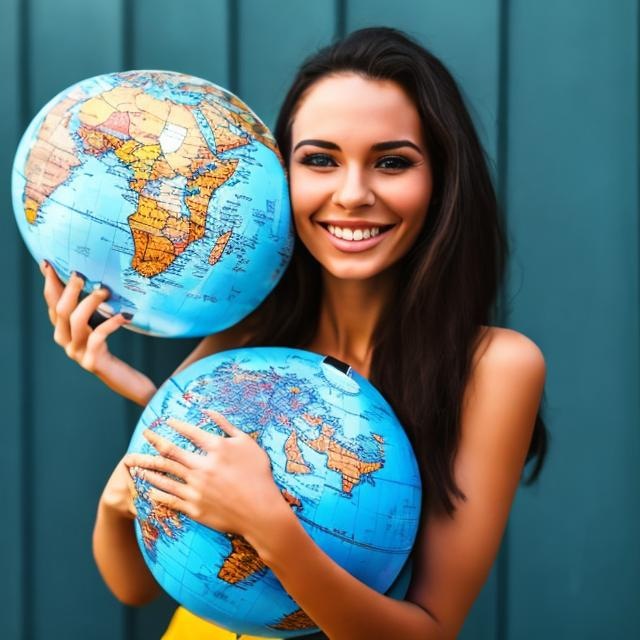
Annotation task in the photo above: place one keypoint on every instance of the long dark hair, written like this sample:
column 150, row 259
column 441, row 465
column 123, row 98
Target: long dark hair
column 424, row 343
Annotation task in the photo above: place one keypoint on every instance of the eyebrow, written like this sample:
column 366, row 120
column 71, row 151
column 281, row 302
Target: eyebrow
column 380, row 146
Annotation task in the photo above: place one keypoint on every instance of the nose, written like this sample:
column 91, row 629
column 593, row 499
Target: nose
column 353, row 191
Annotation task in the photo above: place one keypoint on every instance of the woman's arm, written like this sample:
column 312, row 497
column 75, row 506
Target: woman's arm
column 115, row 548
column 453, row 556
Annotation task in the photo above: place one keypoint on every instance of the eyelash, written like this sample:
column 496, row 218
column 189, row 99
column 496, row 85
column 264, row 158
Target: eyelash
column 307, row 159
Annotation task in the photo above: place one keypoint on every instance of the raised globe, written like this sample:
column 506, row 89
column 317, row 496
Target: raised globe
column 339, row 456
column 162, row 186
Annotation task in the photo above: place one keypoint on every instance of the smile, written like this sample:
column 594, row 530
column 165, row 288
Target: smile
column 358, row 238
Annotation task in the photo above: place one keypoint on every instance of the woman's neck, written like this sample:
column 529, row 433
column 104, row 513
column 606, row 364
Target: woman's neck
column 349, row 314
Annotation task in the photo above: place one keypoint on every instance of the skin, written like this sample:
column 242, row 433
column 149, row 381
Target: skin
column 350, row 184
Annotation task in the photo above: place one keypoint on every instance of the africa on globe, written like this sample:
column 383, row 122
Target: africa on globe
column 339, row 456
column 164, row 187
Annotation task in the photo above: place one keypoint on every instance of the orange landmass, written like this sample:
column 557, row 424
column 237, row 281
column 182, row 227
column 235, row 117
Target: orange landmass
column 204, row 184
column 163, row 515
column 295, row 621
column 292, row 501
column 341, row 459
column 219, row 247
column 295, row 461
column 241, row 563
column 159, row 236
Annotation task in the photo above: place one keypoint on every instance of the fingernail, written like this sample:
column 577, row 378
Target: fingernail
column 80, row 275
column 104, row 286
column 127, row 316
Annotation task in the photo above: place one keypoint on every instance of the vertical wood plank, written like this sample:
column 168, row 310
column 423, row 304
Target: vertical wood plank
column 274, row 38
column 12, row 549
column 573, row 210
column 78, row 425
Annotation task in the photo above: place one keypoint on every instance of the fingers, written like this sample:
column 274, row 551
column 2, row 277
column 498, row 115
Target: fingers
column 198, row 436
column 223, row 423
column 67, row 302
column 156, row 463
column 133, row 494
column 79, row 319
column 171, row 451
column 173, row 502
column 162, row 482
column 53, row 289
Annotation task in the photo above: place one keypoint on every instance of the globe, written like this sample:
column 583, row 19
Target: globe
column 339, row 456
column 162, row 186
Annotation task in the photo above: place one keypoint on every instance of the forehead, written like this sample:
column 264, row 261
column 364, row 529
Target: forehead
column 350, row 106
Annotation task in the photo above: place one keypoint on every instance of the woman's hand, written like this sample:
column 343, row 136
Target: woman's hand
column 88, row 346
column 230, row 488
column 119, row 494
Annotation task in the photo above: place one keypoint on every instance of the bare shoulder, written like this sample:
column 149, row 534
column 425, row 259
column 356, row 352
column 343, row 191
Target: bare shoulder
column 503, row 352
column 454, row 555
column 507, row 378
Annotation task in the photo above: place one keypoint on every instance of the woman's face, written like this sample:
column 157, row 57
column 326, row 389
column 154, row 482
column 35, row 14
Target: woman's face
column 359, row 174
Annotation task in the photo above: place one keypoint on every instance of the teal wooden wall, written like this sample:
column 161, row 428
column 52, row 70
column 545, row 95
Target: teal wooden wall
column 553, row 86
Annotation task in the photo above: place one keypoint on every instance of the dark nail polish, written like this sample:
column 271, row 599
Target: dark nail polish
column 81, row 275
column 104, row 286
column 127, row 316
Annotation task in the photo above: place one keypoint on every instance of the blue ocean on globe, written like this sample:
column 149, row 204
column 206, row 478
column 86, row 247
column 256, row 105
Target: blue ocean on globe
column 339, row 456
column 162, row 186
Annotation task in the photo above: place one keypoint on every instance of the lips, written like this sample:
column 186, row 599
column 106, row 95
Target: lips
column 357, row 236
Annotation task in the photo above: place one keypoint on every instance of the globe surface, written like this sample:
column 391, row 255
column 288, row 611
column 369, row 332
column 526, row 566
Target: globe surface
column 164, row 187
column 339, row 456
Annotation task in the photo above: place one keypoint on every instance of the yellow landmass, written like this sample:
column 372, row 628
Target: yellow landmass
column 95, row 111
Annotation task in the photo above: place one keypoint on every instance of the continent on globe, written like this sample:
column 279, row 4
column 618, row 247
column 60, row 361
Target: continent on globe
column 296, row 621
column 159, row 140
column 241, row 563
column 163, row 187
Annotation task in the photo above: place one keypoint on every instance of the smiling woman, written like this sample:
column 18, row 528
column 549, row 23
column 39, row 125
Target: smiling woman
column 398, row 259
column 367, row 192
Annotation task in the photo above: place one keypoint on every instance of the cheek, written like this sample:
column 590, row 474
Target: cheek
column 408, row 198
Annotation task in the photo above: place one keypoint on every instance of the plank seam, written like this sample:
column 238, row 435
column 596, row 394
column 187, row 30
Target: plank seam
column 502, row 175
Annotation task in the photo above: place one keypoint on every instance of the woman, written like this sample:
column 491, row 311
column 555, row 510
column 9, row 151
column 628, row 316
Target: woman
column 398, row 258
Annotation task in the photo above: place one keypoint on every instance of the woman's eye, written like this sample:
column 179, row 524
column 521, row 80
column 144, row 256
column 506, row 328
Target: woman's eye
column 318, row 160
column 394, row 162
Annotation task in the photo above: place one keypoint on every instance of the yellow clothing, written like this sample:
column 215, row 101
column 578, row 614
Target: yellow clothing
column 186, row 626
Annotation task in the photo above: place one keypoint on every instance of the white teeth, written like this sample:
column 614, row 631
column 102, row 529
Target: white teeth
column 353, row 235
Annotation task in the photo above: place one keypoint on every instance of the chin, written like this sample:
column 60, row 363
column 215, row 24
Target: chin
column 353, row 271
